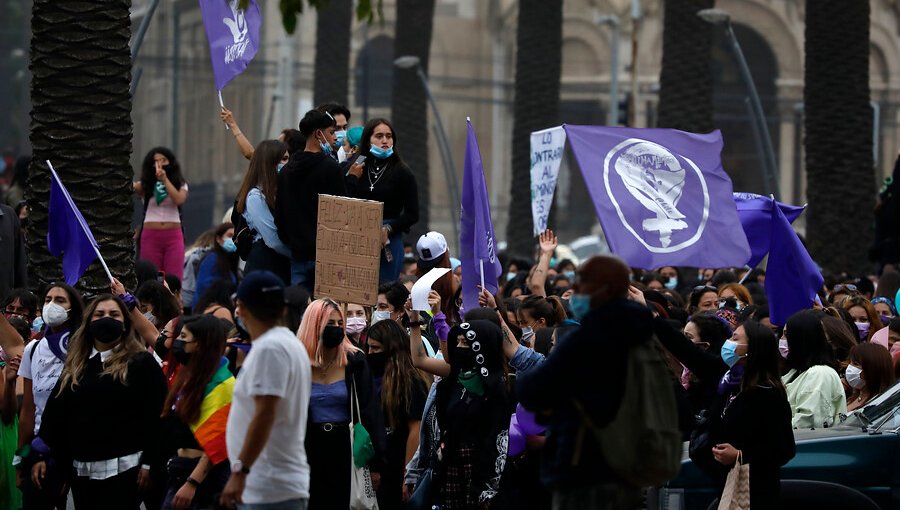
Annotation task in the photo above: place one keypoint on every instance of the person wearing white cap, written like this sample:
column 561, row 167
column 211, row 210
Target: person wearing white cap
column 434, row 252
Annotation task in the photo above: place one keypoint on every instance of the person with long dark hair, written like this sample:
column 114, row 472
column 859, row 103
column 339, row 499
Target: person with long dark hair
column 221, row 263
column 110, row 383
column 756, row 422
column 163, row 190
column 256, row 202
column 402, row 390
column 387, row 179
column 195, row 414
column 42, row 363
column 813, row 386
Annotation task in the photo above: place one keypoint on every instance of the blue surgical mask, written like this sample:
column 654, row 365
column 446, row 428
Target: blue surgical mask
column 279, row 167
column 729, row 353
column 341, row 136
column 229, row 246
column 580, row 304
column 380, row 315
column 570, row 275
column 37, row 325
column 326, row 147
column 672, row 283
column 510, row 276
column 380, row 153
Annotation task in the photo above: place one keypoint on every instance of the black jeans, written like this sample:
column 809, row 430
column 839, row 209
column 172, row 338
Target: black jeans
column 119, row 492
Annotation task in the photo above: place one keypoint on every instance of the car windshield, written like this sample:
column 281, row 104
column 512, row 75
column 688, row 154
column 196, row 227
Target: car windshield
column 882, row 414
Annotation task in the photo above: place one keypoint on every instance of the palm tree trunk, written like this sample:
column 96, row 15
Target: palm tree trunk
column 838, row 121
column 81, row 122
column 536, row 106
column 332, row 67
column 685, row 81
column 409, row 111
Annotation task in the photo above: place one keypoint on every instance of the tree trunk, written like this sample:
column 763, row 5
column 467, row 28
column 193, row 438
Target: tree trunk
column 81, row 122
column 536, row 106
column 332, row 71
column 685, row 81
column 841, row 184
column 409, row 108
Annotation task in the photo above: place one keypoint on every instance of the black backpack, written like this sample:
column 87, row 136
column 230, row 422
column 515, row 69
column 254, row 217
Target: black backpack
column 243, row 234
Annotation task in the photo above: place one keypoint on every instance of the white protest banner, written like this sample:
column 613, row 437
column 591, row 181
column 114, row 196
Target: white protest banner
column 348, row 249
column 422, row 287
column 547, row 149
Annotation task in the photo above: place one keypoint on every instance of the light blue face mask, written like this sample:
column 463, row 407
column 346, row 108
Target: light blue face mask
column 380, row 153
column 279, row 167
column 672, row 283
column 326, row 147
column 570, row 275
column 341, row 136
column 228, row 245
column 37, row 325
column 510, row 276
column 729, row 353
column 580, row 304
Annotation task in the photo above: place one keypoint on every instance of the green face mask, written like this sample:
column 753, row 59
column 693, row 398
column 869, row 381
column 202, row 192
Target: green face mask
column 160, row 192
column 472, row 382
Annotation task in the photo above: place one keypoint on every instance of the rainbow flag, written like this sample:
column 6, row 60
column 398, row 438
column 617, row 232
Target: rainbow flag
column 209, row 429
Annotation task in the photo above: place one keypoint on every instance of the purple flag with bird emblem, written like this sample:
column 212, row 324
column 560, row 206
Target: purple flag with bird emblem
column 661, row 195
column 477, row 243
column 233, row 36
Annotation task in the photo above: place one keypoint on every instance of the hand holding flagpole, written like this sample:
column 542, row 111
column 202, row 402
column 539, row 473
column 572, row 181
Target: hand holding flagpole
column 222, row 105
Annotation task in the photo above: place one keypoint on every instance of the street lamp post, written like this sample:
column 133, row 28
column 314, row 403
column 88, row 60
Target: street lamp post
column 413, row 62
column 720, row 17
column 612, row 20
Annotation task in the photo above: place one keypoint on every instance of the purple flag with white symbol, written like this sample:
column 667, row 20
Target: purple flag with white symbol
column 662, row 196
column 233, row 37
column 477, row 243
column 755, row 212
column 67, row 233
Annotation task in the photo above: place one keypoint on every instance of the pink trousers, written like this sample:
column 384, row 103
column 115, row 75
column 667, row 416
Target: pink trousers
column 165, row 248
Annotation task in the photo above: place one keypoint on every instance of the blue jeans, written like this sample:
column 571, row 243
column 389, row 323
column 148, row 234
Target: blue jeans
column 303, row 273
column 292, row 504
column 390, row 271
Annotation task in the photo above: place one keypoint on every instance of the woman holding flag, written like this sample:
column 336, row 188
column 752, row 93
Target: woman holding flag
column 195, row 414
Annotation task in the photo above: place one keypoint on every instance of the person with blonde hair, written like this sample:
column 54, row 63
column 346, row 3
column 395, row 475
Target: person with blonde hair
column 340, row 377
column 104, row 413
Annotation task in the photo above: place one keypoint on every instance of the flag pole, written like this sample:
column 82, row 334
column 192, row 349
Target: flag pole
column 83, row 226
column 222, row 106
column 481, row 263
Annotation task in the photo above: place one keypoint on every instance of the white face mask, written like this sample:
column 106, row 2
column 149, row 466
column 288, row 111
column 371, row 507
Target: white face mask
column 783, row 347
column 527, row 334
column 54, row 315
column 355, row 325
column 854, row 377
column 380, row 315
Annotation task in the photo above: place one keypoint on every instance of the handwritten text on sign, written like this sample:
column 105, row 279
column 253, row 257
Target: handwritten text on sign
column 348, row 249
column 547, row 149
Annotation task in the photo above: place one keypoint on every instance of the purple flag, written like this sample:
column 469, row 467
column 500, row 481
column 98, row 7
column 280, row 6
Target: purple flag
column 792, row 277
column 67, row 233
column 233, row 37
column 662, row 196
column 477, row 243
column 755, row 212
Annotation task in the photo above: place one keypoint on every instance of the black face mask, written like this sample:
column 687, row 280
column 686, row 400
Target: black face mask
column 332, row 336
column 160, row 346
column 377, row 361
column 462, row 358
column 107, row 329
column 179, row 353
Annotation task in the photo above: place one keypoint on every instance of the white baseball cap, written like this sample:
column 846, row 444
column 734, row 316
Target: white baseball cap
column 431, row 247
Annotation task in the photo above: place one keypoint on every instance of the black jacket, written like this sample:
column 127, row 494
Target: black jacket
column 396, row 189
column 13, row 273
column 300, row 182
column 589, row 366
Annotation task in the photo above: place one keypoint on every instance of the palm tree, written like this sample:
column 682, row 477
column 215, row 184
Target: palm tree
column 685, row 81
column 81, row 122
column 536, row 106
column 415, row 19
column 838, row 122
column 332, row 67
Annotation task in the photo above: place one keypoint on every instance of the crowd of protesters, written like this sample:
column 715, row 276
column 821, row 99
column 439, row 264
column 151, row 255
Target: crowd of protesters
column 218, row 380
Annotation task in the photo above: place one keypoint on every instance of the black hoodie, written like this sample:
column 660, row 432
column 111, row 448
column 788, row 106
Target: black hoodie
column 300, row 182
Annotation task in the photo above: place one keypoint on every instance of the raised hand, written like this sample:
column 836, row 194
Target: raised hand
column 548, row 241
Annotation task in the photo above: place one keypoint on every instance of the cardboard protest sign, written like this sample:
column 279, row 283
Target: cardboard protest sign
column 348, row 249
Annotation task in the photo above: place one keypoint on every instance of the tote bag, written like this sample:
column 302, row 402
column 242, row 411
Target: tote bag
column 362, row 492
column 736, row 494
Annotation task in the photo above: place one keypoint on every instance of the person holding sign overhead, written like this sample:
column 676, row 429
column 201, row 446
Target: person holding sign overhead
column 385, row 178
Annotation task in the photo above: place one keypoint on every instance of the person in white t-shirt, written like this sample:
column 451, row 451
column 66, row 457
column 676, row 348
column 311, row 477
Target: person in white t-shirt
column 267, row 422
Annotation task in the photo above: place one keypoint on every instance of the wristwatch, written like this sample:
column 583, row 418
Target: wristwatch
column 238, row 467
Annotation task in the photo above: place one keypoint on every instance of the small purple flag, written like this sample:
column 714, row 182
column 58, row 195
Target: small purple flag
column 68, row 234
column 755, row 212
column 477, row 243
column 233, row 36
column 662, row 196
